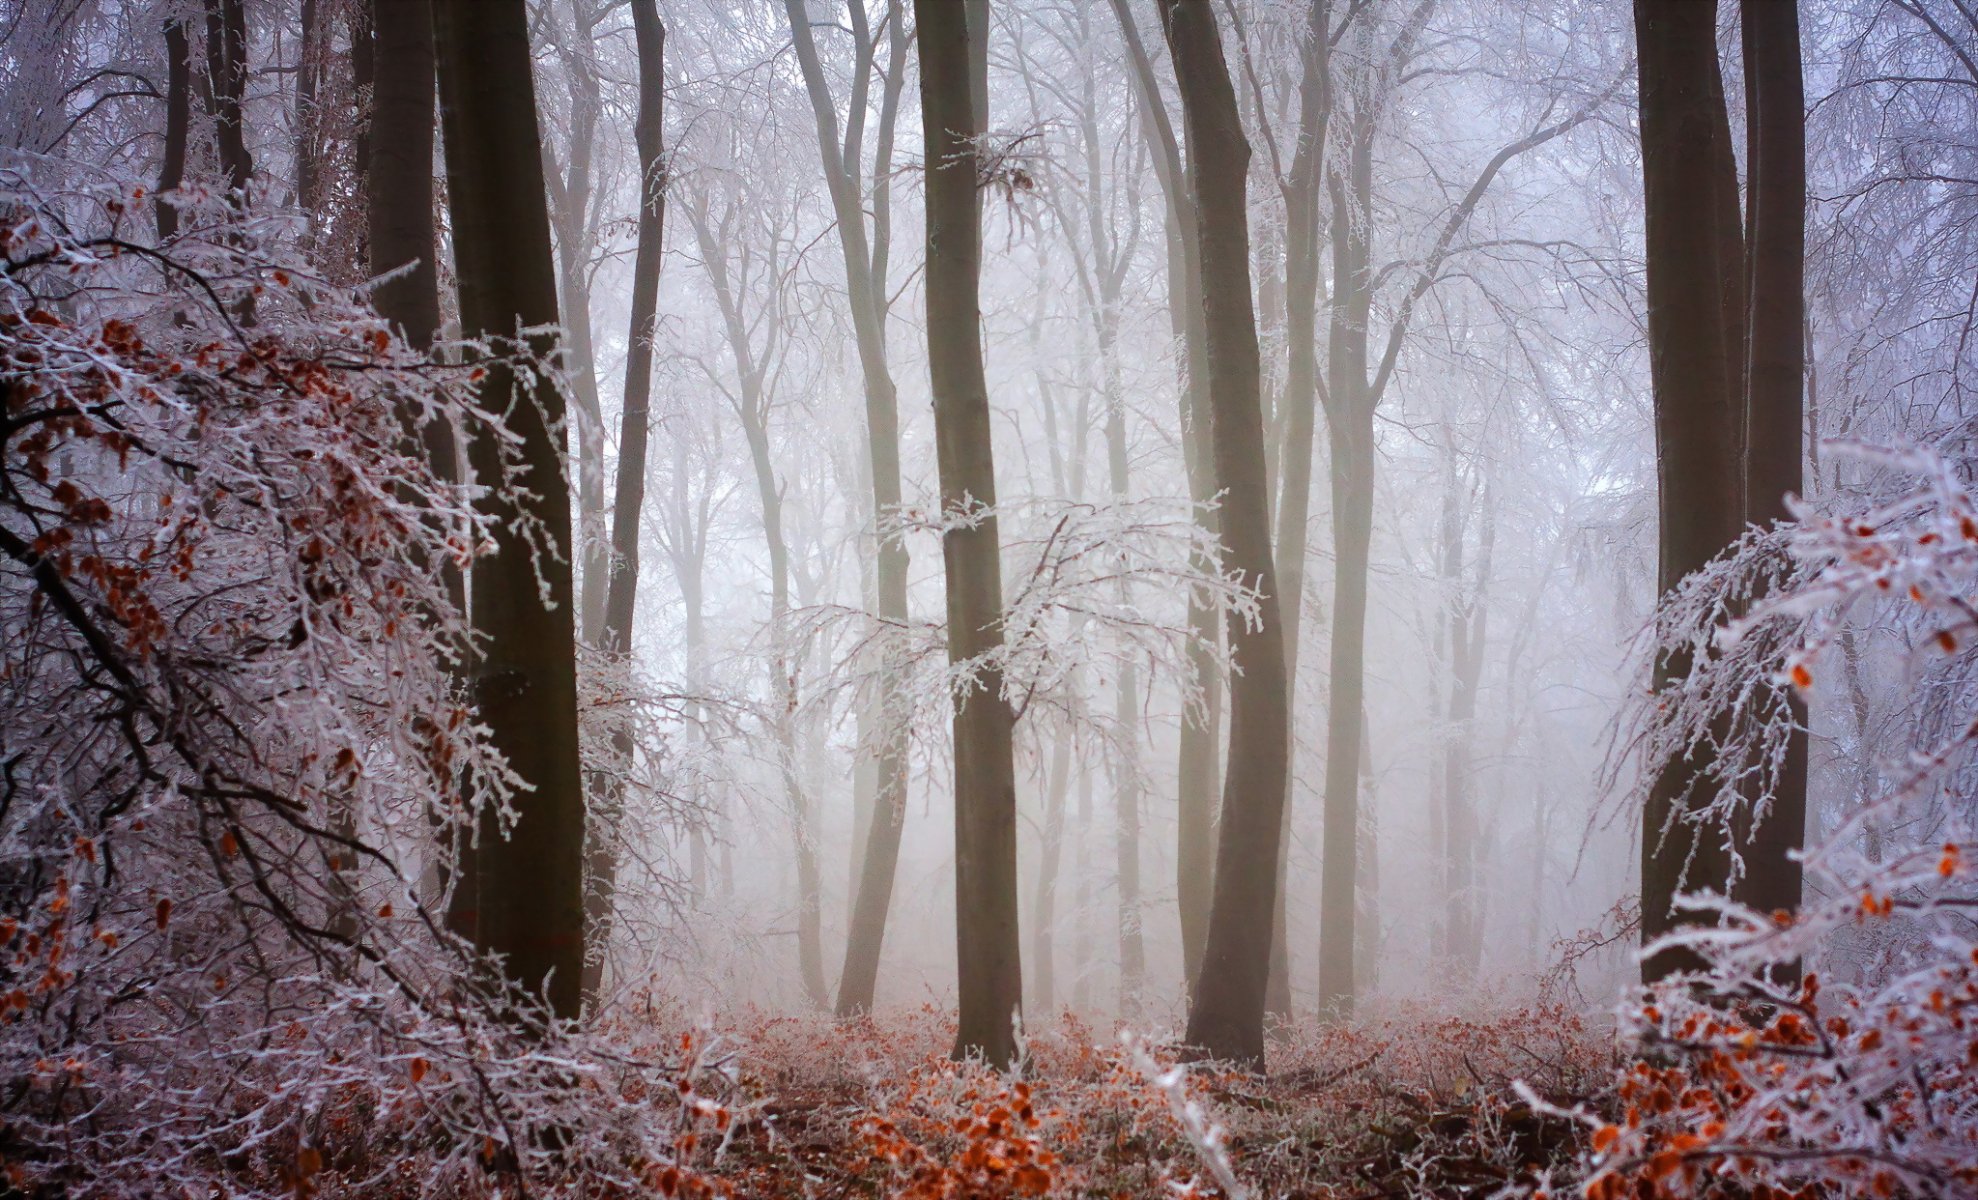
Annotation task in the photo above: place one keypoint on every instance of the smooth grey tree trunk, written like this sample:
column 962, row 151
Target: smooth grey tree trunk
column 1226, row 1012
column 986, row 939
column 865, row 258
column 1196, row 766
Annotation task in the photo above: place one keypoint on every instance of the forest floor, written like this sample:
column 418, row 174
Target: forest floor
column 1397, row 1104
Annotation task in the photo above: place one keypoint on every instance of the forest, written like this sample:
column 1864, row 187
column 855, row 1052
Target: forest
column 988, row 599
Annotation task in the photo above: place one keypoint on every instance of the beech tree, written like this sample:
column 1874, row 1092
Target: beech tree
column 528, row 882
column 987, row 943
column 1725, row 316
column 1226, row 1010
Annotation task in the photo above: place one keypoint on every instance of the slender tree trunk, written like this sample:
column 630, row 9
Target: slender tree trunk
column 987, row 948
column 308, row 116
column 530, row 907
column 1688, row 179
column 400, row 237
column 1126, row 721
column 572, row 191
column 1349, row 413
column 1775, row 154
column 1201, row 722
column 1043, row 931
column 399, row 187
column 1469, row 632
column 865, row 282
column 615, row 637
column 178, row 119
column 1297, row 419
column 1226, row 1014
column 226, row 70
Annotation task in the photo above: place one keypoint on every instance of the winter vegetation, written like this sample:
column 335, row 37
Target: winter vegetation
column 977, row 599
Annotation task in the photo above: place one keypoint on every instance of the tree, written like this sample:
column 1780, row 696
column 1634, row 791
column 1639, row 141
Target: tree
column 628, row 499
column 178, row 119
column 866, row 254
column 1725, row 315
column 1196, row 767
column 529, row 906
column 1775, row 360
column 577, row 205
column 226, row 91
column 749, row 248
column 399, row 189
column 986, row 939
column 1356, row 382
column 1226, row 1011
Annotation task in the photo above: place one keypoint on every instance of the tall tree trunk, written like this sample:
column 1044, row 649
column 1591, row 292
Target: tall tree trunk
column 1469, row 626
column 1774, row 416
column 1349, row 413
column 635, row 422
column 399, row 187
column 178, row 119
column 986, row 941
column 865, row 283
column 1226, row 1014
column 1298, row 417
column 572, row 191
column 308, row 115
column 1126, row 719
column 400, row 237
column 530, row 909
column 1044, row 915
column 1196, row 766
column 1689, row 180
column 226, row 71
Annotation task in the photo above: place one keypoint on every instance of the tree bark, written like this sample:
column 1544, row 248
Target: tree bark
column 628, row 499
column 178, row 119
column 400, row 236
column 865, row 283
column 308, row 117
column 987, row 948
column 1044, row 914
column 399, row 190
column 1196, row 766
column 1775, row 352
column 530, row 909
column 226, row 71
column 1688, row 179
column 1298, row 415
column 1226, row 1013
column 574, row 217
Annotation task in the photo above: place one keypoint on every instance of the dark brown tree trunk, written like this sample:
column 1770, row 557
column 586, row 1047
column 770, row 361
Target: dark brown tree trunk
column 226, row 70
column 1226, row 1013
column 615, row 637
column 308, row 117
column 530, row 908
column 1774, row 416
column 178, row 119
column 1689, row 179
column 573, row 216
column 986, row 940
column 400, row 237
column 399, row 187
